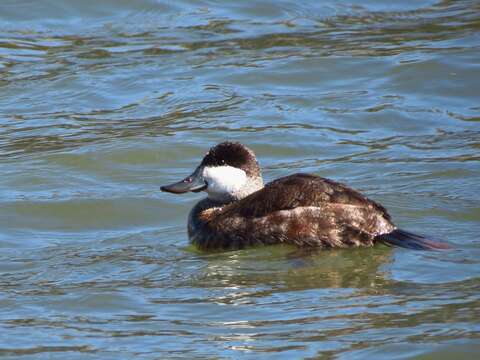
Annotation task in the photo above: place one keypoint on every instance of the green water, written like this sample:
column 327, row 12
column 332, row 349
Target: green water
column 101, row 102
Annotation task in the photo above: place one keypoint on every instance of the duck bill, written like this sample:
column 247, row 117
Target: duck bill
column 194, row 183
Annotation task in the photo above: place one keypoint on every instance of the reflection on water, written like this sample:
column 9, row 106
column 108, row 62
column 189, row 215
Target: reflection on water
column 103, row 101
column 297, row 270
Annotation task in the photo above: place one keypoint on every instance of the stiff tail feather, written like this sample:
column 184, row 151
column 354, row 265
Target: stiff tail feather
column 408, row 240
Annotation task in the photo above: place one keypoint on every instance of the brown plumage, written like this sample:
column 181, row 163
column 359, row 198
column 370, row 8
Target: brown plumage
column 301, row 209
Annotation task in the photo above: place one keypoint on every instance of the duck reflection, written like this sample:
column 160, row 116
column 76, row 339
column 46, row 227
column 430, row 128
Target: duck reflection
column 260, row 271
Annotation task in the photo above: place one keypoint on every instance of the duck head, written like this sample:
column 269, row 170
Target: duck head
column 229, row 171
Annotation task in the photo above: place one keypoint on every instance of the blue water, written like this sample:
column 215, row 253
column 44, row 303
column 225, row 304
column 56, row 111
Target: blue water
column 102, row 102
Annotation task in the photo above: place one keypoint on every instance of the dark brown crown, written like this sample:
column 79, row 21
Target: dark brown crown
column 232, row 154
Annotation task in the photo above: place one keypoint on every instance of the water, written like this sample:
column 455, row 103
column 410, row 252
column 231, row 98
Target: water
column 101, row 102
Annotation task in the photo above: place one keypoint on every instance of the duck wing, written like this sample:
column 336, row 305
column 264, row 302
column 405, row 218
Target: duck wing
column 302, row 190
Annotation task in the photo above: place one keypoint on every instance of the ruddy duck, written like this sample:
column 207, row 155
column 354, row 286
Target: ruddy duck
column 300, row 209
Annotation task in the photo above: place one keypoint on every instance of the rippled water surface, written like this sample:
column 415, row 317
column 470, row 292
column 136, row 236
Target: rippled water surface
column 101, row 102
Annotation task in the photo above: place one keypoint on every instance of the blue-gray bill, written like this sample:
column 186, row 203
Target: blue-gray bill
column 194, row 183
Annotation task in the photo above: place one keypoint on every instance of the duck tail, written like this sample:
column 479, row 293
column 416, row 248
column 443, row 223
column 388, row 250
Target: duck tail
column 408, row 240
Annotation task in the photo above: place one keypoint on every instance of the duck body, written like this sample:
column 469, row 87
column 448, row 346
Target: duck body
column 301, row 209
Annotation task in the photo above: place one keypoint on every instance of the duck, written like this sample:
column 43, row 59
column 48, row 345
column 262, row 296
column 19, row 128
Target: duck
column 304, row 210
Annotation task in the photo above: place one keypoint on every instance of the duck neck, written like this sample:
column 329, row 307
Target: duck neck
column 206, row 209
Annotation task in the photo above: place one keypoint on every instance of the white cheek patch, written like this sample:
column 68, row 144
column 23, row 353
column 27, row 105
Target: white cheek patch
column 224, row 179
